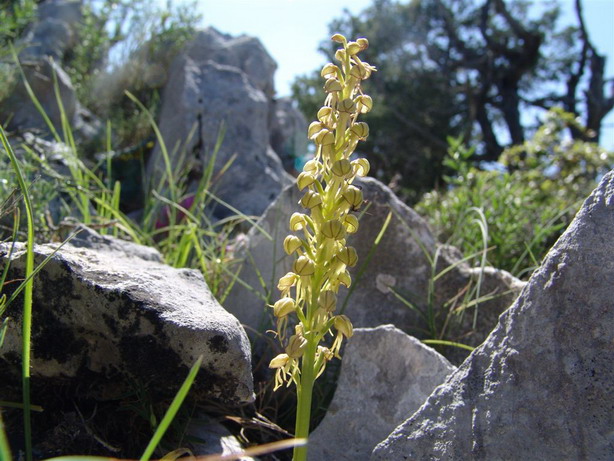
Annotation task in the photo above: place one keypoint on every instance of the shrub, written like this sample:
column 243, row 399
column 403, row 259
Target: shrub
column 528, row 201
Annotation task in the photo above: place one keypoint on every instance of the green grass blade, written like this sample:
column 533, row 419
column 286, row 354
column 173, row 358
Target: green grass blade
column 38, row 268
column 442, row 342
column 5, row 449
column 5, row 322
column 170, row 177
column 5, row 271
column 172, row 410
column 34, row 99
column 27, row 298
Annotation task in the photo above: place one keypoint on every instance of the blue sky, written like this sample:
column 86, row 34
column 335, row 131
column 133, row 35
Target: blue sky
column 291, row 31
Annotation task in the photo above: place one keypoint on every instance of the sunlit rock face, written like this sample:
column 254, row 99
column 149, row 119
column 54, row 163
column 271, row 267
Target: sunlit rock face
column 220, row 88
column 108, row 308
column 541, row 386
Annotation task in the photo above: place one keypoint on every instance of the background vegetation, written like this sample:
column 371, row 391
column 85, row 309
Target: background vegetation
column 479, row 70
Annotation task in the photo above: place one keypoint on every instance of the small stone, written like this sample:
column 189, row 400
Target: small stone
column 385, row 376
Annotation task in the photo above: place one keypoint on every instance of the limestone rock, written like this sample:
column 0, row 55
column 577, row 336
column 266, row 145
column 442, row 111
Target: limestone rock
column 385, row 376
column 19, row 108
column 208, row 437
column 42, row 49
column 541, row 386
column 288, row 133
column 54, row 32
column 401, row 262
column 243, row 52
column 111, row 308
column 210, row 87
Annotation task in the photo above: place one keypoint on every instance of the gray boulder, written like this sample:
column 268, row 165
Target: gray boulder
column 40, row 73
column 41, row 51
column 217, row 84
column 111, row 308
column 55, row 31
column 243, row 52
column 540, row 387
column 402, row 263
column 386, row 375
column 209, row 437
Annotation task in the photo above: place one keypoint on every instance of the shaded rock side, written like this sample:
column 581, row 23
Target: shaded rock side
column 209, row 94
column 112, row 308
column 54, row 33
column 289, row 134
column 399, row 262
column 42, row 49
column 542, row 385
column 385, row 376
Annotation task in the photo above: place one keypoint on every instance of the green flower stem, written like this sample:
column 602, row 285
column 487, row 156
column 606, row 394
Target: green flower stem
column 323, row 256
column 304, row 395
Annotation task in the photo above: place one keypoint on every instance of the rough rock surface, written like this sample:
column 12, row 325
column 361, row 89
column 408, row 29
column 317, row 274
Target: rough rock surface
column 209, row 437
column 39, row 73
column 54, row 32
column 42, row 49
column 111, row 308
column 220, row 82
column 542, row 385
column 289, row 133
column 385, row 376
column 398, row 262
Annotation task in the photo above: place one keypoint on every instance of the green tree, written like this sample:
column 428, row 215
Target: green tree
column 467, row 68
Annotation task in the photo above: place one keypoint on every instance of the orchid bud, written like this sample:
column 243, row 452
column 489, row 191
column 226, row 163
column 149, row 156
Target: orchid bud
column 298, row 221
column 338, row 38
column 344, row 326
column 360, row 71
column 287, row 282
column 280, row 361
column 312, row 167
column 361, row 167
column 328, row 300
column 305, row 180
column 332, row 85
column 325, row 137
column 360, row 130
column 333, row 230
column 329, row 71
column 291, row 244
column 351, row 223
column 364, row 103
column 310, row 199
column 353, row 195
column 345, row 279
column 348, row 256
column 347, row 105
column 342, row 168
column 363, row 43
column 353, row 48
column 296, row 346
column 304, row 266
column 314, row 128
column 324, row 114
column 284, row 307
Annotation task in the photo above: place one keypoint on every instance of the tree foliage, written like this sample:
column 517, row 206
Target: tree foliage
column 472, row 69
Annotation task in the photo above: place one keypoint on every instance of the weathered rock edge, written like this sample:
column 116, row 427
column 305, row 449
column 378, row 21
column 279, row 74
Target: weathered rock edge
column 542, row 385
column 113, row 308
